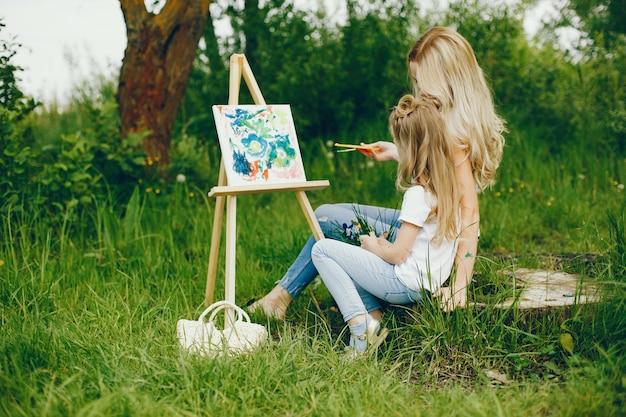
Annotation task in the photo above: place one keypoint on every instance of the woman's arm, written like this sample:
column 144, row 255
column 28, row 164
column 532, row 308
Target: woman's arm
column 396, row 252
column 455, row 295
column 387, row 151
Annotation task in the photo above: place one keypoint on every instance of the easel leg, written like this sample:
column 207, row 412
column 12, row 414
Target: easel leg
column 215, row 252
column 231, row 245
column 216, row 237
column 310, row 215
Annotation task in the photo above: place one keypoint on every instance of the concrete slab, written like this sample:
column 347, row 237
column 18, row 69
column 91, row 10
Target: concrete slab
column 542, row 288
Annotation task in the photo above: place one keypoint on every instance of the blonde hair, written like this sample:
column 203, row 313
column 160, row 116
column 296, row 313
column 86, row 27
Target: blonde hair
column 426, row 153
column 447, row 69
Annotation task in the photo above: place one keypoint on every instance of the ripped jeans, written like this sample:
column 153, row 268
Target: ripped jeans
column 345, row 222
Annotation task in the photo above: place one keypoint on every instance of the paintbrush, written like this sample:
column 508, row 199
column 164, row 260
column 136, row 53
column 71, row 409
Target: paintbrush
column 351, row 148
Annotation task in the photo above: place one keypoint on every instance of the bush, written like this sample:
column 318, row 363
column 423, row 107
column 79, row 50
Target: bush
column 14, row 111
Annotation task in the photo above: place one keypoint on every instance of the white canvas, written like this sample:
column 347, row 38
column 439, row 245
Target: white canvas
column 259, row 144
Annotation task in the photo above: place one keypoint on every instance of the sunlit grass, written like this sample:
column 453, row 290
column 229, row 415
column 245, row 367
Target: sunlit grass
column 89, row 307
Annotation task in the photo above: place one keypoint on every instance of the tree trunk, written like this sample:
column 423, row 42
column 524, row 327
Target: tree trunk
column 157, row 65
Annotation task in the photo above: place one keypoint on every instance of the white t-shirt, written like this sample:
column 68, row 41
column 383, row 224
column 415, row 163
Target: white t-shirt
column 429, row 264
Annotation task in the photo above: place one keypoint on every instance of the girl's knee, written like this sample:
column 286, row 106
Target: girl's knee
column 317, row 249
column 320, row 248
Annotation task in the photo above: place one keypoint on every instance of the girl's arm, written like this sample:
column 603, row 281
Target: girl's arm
column 396, row 252
column 455, row 295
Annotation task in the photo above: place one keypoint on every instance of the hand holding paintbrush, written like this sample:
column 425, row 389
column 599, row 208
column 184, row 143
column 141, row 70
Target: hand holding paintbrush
column 378, row 151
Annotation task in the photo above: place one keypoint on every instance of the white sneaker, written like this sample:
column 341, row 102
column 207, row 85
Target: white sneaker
column 374, row 336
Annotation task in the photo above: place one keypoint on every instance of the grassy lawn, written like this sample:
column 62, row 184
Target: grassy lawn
column 89, row 306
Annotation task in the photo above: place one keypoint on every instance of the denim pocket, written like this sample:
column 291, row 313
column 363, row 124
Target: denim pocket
column 398, row 297
column 406, row 297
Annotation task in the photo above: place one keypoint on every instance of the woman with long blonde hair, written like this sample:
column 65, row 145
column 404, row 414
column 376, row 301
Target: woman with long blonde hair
column 443, row 66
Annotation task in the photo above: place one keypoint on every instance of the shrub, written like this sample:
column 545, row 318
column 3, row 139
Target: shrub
column 14, row 110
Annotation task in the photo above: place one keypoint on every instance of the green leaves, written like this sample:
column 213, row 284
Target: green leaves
column 14, row 108
column 567, row 342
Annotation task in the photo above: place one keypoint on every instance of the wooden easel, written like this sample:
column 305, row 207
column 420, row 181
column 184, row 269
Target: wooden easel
column 239, row 66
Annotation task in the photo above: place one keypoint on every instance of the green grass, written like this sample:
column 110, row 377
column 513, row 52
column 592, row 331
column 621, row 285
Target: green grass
column 89, row 306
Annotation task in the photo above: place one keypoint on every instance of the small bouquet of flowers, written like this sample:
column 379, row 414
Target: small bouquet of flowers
column 351, row 232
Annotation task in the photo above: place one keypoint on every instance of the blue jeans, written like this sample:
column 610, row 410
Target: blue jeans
column 337, row 221
column 357, row 279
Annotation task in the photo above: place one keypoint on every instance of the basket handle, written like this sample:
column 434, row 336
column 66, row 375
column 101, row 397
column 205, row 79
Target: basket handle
column 221, row 305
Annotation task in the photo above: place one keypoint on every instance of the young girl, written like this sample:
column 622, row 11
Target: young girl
column 421, row 257
column 442, row 65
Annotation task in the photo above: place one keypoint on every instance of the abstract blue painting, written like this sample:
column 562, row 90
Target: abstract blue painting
column 258, row 144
